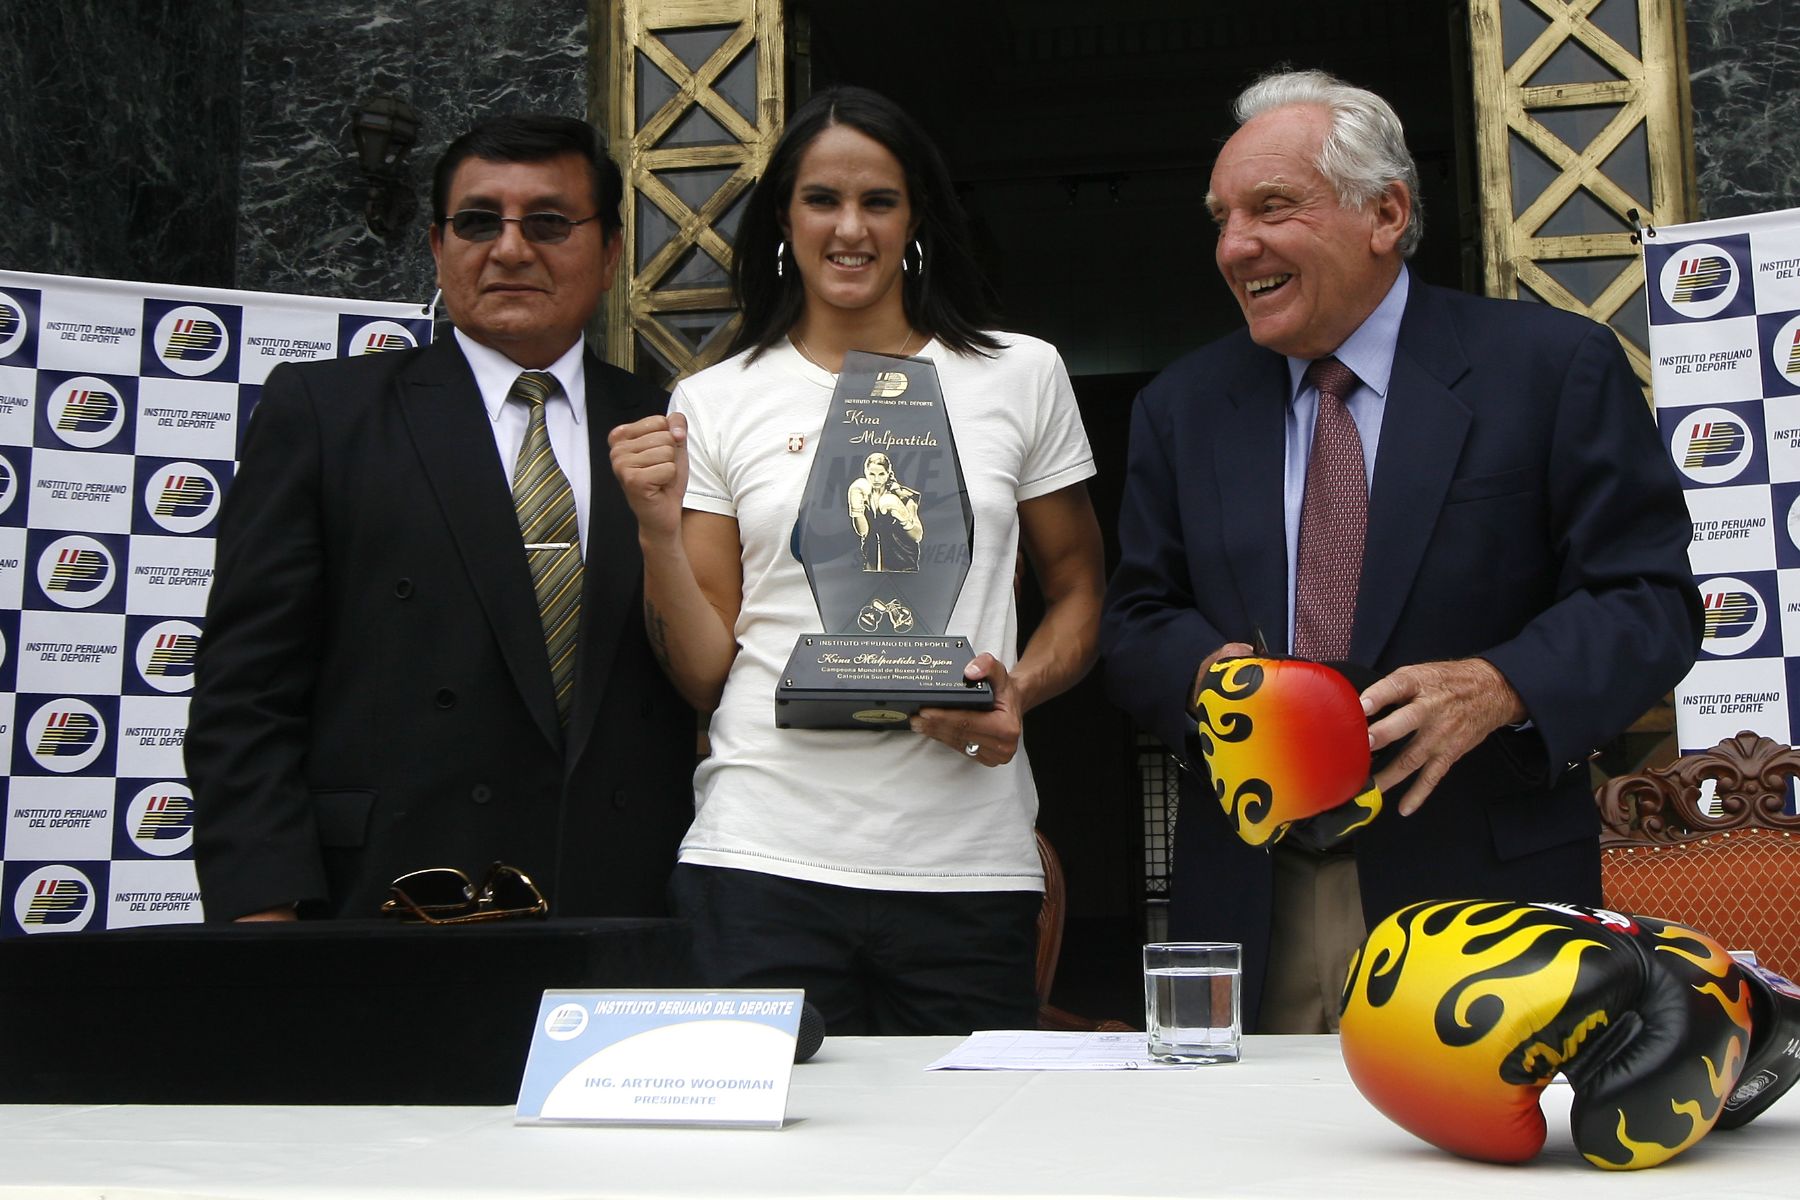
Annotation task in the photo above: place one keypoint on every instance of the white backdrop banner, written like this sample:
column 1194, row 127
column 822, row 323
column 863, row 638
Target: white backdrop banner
column 122, row 408
column 1725, row 352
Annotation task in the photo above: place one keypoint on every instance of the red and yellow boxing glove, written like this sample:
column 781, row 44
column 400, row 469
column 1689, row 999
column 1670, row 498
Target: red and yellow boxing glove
column 1458, row 1013
column 1287, row 746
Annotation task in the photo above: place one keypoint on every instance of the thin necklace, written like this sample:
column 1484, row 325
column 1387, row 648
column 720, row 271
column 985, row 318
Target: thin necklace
column 800, row 345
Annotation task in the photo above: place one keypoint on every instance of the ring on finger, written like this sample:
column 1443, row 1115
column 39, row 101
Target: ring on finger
column 971, row 748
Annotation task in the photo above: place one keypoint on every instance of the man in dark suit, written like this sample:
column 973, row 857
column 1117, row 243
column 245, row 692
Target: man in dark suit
column 1474, row 505
column 406, row 664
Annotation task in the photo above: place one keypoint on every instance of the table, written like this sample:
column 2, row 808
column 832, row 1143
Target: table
column 864, row 1120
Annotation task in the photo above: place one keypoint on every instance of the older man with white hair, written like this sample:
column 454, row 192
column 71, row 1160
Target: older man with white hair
column 1466, row 498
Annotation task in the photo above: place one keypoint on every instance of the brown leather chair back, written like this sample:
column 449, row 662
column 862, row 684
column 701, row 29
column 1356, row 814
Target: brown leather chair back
column 1707, row 841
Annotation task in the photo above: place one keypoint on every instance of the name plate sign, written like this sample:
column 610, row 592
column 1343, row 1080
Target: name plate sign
column 661, row 1058
column 885, row 532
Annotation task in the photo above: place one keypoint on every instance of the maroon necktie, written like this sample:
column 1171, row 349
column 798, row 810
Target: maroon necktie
column 1334, row 515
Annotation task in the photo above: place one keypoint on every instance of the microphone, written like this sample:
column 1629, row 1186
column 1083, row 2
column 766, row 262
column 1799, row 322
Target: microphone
column 810, row 1034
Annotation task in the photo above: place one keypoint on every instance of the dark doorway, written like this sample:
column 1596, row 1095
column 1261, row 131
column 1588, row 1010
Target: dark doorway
column 1081, row 134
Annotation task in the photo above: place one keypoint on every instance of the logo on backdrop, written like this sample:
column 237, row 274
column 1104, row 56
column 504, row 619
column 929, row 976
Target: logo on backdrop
column 380, row 337
column 76, row 571
column 53, row 898
column 13, row 325
column 191, row 340
column 1735, row 615
column 182, row 497
column 1712, row 445
column 358, row 334
column 165, row 655
column 66, row 735
column 86, row 412
column 160, row 819
column 1784, row 351
column 9, row 484
column 1699, row 280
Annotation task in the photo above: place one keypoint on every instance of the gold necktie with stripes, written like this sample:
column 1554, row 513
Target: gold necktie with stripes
column 546, row 508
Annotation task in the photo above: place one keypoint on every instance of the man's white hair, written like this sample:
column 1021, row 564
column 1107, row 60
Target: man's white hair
column 1364, row 150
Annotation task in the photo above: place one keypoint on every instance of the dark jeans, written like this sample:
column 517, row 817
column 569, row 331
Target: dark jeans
column 871, row 961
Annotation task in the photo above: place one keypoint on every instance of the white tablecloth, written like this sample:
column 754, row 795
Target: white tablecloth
column 864, row 1120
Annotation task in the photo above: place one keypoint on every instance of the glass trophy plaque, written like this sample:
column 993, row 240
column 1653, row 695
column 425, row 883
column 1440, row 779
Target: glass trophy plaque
column 885, row 531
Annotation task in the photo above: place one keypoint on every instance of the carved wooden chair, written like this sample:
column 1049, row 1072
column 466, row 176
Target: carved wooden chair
column 1050, row 932
column 1706, row 841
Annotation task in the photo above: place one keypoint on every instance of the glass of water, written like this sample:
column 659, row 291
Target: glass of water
column 1192, row 999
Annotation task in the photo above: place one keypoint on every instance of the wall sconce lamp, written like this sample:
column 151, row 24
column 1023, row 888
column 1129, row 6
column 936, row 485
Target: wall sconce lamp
column 385, row 129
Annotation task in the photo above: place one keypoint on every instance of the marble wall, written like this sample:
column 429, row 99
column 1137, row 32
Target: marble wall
column 208, row 141
column 119, row 138
column 300, row 223
column 1744, row 71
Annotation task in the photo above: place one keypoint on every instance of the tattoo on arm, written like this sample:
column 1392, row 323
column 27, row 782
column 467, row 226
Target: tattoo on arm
column 658, row 630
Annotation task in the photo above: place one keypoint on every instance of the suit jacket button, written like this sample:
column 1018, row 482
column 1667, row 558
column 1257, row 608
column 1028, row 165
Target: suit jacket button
column 481, row 793
column 403, row 588
column 445, row 698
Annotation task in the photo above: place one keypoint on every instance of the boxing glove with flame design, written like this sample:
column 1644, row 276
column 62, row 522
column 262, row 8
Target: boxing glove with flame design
column 1287, row 746
column 1458, row 1013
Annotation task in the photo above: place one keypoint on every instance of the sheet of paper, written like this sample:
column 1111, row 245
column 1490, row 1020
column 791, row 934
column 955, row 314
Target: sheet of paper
column 1031, row 1050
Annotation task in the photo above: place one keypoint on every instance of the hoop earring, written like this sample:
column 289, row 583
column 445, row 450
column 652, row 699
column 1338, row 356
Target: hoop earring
column 780, row 249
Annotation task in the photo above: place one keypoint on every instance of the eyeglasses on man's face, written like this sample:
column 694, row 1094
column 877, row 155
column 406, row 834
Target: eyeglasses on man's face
column 445, row 896
column 544, row 228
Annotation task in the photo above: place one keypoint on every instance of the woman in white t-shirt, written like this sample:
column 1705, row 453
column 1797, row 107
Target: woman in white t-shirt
column 893, row 875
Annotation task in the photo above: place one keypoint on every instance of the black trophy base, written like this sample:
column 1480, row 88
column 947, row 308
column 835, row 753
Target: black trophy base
column 841, row 682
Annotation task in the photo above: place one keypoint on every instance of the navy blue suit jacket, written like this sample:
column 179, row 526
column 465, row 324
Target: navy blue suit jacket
column 1522, row 509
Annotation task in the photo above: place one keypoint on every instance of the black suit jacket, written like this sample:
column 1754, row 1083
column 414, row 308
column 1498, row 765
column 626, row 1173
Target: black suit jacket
column 1522, row 509
column 373, row 695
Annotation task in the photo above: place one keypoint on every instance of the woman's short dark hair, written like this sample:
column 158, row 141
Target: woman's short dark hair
column 532, row 137
column 948, row 299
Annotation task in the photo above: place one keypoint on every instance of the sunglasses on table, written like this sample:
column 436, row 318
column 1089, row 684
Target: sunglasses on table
column 480, row 225
column 445, row 896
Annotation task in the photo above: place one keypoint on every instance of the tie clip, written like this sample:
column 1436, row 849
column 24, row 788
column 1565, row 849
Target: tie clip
column 548, row 545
